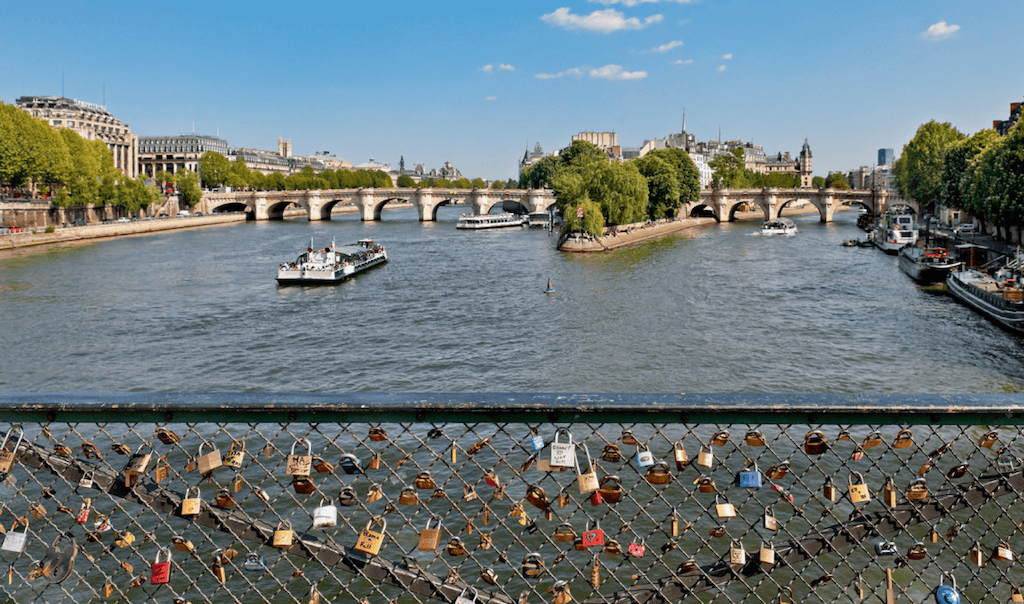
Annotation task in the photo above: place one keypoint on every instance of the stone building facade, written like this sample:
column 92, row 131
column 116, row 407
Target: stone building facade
column 175, row 153
column 91, row 122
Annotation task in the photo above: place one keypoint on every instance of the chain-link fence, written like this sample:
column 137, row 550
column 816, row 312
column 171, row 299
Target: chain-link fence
column 509, row 498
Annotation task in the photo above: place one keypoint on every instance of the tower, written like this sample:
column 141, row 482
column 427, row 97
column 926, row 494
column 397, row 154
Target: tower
column 806, row 176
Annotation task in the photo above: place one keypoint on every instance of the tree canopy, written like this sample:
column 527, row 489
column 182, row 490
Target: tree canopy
column 836, row 180
column 918, row 171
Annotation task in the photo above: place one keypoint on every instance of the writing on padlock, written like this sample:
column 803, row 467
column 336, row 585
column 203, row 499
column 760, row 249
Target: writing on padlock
column 750, row 479
column 593, row 536
column 587, row 481
column 644, row 458
column 300, row 465
column 370, row 541
column 536, row 440
column 636, row 550
column 563, row 454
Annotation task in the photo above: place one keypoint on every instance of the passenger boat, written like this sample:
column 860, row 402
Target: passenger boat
column 332, row 264
column 489, row 221
column 926, row 265
column 538, row 220
column 894, row 230
column 778, row 226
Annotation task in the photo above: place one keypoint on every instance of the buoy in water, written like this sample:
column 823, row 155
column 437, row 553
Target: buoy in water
column 549, row 290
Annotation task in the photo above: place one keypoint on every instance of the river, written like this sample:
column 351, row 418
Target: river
column 715, row 309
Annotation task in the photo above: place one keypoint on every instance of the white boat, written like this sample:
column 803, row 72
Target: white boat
column 999, row 297
column 778, row 226
column 926, row 265
column 893, row 231
column 332, row 264
column 489, row 221
column 539, row 220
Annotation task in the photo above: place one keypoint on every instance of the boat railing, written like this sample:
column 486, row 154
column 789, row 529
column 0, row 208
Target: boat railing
column 435, row 497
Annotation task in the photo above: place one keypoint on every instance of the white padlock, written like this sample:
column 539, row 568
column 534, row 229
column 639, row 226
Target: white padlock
column 462, row 599
column 14, row 541
column 325, row 515
column 563, row 455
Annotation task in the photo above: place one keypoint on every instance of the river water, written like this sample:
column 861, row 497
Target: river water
column 716, row 309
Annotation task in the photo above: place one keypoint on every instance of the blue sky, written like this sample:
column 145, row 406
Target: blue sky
column 477, row 83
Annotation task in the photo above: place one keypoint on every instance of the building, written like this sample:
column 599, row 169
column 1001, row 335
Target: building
column 91, row 122
column 865, row 177
column 886, row 157
column 262, row 161
column 1003, row 126
column 175, row 153
column 704, row 171
column 330, row 161
column 605, row 141
column 530, row 158
column 806, row 176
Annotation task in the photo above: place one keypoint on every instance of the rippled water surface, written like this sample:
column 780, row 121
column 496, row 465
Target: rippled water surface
column 718, row 309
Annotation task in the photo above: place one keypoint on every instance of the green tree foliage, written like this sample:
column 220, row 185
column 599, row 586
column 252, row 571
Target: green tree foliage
column 581, row 153
column 662, row 186
column 686, row 173
column 618, row 190
column 239, row 175
column 542, row 174
column 462, row 183
column 498, row 185
column 835, row 180
column 959, row 158
column 918, row 171
column 478, row 183
column 188, row 188
column 382, row 180
column 817, row 182
column 729, row 171
column 30, row 151
column 405, row 181
column 512, row 184
column 779, row 180
column 214, row 169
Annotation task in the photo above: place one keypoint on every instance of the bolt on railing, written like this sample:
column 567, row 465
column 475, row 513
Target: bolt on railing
column 509, row 498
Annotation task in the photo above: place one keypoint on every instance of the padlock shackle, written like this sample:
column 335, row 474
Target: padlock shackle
column 432, row 517
column 137, row 451
column 7, row 436
column 160, row 551
column 369, row 523
column 566, row 432
column 309, row 447
column 590, row 462
column 237, row 441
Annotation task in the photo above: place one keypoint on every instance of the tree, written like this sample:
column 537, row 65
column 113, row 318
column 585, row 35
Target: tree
column 662, row 186
column 405, row 181
column 512, row 184
column 960, row 156
column 30, row 150
column 728, row 171
column 214, row 169
column 581, row 153
column 462, row 183
column 478, row 183
column 818, row 182
column 542, row 174
column 238, row 174
column 618, row 190
column 498, row 185
column 779, row 180
column 686, row 173
column 835, row 180
column 188, row 188
column 919, row 169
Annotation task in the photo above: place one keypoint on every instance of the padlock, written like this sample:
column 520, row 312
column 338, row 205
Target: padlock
column 491, row 479
column 928, row 465
column 1002, row 552
column 754, row 438
column 350, row 464
column 858, row 453
column 596, row 499
column 182, row 544
column 858, row 492
column 224, row 499
column 485, row 542
column 303, row 485
column 86, row 481
column 705, row 457
column 767, row 553
column 659, row 474
column 829, row 490
column 687, row 566
column 536, row 440
column 903, row 440
column 234, row 458
column 348, row 497
column 987, row 440
column 489, row 576
column 917, row 551
column 325, row 515
column 724, row 510
column 299, row 465
column 516, row 511
column 873, row 440
column 37, row 510
column 377, row 434
column 957, row 471
column 166, row 436
column 635, row 549
column 564, row 533
column 425, row 481
column 373, row 493
column 705, row 484
column 815, row 442
column 577, row 544
column 947, row 594
column 537, row 497
column 283, row 535
column 720, row 438
column 778, row 471
column 91, row 451
column 124, row 539
column 595, row 573
column 531, row 525
column 679, row 453
column 7, row 457
column 469, row 493
column 160, row 572
column 885, row 548
column 918, row 490
column 430, row 538
column 612, row 548
column 190, row 505
column 254, row 563
column 737, row 555
column 83, row 512
column 844, row 434
column 783, row 493
column 533, row 565
column 62, row 450
column 563, row 454
column 209, row 462
column 610, row 489
column 217, row 566
column 455, row 547
column 750, row 479
column 13, row 540
column 261, row 494
column 888, row 493
column 478, row 447
column 463, row 598
column 374, row 461
column 587, row 481
column 611, row 453
column 593, row 536
column 644, row 458
column 108, row 589
column 628, row 438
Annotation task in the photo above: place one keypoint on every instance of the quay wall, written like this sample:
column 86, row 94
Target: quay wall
column 628, row 234
column 112, row 229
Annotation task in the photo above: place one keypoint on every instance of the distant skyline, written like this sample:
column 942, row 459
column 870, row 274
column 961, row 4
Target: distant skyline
column 479, row 84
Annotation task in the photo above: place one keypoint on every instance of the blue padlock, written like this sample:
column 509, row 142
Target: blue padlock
column 946, row 594
column 536, row 440
column 750, row 479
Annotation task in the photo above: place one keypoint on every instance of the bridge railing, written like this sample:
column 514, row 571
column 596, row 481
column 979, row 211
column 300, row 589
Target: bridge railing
column 418, row 498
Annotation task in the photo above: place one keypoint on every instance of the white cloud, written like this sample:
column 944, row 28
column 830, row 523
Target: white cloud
column 601, row 21
column 940, row 31
column 682, row 62
column 614, row 72
column 506, row 67
column 727, row 57
column 635, row 2
column 667, row 47
column 487, row 68
column 575, row 72
column 490, row 98
column 721, row 68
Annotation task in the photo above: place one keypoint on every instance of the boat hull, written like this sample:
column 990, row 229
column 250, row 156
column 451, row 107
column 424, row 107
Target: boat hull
column 924, row 272
column 1004, row 312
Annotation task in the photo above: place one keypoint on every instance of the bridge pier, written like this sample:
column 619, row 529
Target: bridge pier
column 313, row 205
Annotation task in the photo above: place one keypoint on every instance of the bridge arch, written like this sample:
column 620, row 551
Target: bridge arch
column 444, row 202
column 235, row 206
column 378, row 206
column 327, row 207
column 276, row 210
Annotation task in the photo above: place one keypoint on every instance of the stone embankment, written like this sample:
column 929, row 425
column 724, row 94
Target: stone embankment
column 35, row 237
column 628, row 234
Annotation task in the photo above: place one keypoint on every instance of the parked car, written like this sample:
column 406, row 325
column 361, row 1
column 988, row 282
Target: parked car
column 163, row 215
column 198, row 213
column 184, row 213
column 123, row 219
column 963, row 229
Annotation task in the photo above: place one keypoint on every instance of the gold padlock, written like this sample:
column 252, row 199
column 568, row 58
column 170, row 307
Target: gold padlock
column 323, row 466
column 815, row 442
column 182, row 544
column 989, row 439
column 957, row 471
column 408, row 496
column 782, row 600
column 209, row 462
column 771, row 523
column 124, row 539
column 659, row 474
column 888, row 493
column 754, row 438
column 190, row 505
column 456, row 547
column 680, row 456
column 873, row 440
column 369, row 541
column 299, row 465
column 37, row 510
column 858, row 492
column 778, row 471
column 976, row 555
column 430, row 538
column 561, row 593
column 377, row 434
column 595, row 573
column 917, row 551
column 586, row 481
column 1015, row 595
column 283, row 536
column 166, row 436
column 537, row 497
column 611, row 453
column 303, row 485
column 829, row 490
column 374, row 493
column 705, row 484
column 767, row 553
column 918, row 490
column 724, row 510
column 737, row 555
column 628, row 438
column 425, row 481
column 234, row 458
column 564, row 533
column 903, row 440
column 611, row 489
column 224, row 499
column 720, row 438
column 705, row 457
column 1002, row 552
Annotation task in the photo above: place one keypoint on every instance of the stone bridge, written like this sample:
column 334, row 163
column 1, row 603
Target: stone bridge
column 724, row 202
column 318, row 204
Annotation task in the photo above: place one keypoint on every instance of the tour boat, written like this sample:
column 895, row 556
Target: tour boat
column 778, row 226
column 489, row 221
column 894, row 230
column 539, row 220
column 332, row 264
column 926, row 265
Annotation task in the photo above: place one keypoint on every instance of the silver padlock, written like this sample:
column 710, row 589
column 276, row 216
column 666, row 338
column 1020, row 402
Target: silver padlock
column 14, row 541
column 645, row 458
column 462, row 599
column 563, row 454
column 325, row 515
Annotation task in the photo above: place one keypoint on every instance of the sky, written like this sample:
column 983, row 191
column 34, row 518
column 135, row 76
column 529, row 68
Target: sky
column 479, row 83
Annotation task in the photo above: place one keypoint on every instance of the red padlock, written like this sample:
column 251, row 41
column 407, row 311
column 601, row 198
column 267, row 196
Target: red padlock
column 492, row 479
column 596, row 499
column 593, row 537
column 636, row 549
column 161, row 572
column 83, row 512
